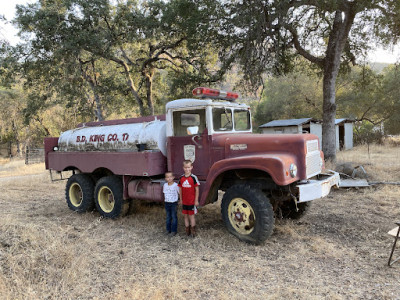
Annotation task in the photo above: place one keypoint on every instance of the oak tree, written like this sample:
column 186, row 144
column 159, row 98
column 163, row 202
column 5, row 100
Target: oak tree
column 329, row 34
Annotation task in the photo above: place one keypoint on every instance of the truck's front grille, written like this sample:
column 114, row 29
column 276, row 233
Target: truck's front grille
column 312, row 146
column 313, row 163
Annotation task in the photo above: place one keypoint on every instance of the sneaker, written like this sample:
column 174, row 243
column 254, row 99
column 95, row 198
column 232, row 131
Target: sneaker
column 167, row 232
column 173, row 233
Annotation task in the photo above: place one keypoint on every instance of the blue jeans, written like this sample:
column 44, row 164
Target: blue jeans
column 172, row 217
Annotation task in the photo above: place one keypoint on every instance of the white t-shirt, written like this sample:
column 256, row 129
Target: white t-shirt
column 171, row 192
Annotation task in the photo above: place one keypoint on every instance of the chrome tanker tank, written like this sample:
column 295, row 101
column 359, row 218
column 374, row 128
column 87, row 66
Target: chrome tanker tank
column 123, row 138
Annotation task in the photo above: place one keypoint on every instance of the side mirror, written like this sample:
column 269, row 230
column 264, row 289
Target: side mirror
column 192, row 130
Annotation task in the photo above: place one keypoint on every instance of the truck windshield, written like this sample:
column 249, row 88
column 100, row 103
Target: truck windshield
column 222, row 119
column 242, row 120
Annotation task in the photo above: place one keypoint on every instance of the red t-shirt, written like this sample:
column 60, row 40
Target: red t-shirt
column 187, row 185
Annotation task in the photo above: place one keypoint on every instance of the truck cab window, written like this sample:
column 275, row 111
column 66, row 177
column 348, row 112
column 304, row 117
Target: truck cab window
column 222, row 119
column 188, row 118
column 242, row 120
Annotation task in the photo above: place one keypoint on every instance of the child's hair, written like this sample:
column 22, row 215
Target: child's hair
column 169, row 172
column 186, row 162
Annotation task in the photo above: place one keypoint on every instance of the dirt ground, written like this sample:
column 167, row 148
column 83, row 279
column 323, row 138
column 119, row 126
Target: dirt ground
column 338, row 250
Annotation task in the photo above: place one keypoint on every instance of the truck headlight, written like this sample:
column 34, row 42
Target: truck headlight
column 293, row 170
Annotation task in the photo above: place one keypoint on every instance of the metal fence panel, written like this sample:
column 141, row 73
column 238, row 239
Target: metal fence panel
column 34, row 155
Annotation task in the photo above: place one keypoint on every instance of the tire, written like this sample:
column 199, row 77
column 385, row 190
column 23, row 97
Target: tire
column 288, row 209
column 79, row 193
column 247, row 213
column 109, row 200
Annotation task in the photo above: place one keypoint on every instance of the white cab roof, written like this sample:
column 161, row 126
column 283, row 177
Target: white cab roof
column 187, row 103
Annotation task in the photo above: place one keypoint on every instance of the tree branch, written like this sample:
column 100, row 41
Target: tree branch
column 124, row 55
column 303, row 52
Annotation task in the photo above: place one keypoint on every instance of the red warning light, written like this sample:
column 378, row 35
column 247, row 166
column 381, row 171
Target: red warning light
column 203, row 92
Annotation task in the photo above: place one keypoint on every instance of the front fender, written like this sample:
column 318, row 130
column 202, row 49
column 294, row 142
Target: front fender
column 276, row 165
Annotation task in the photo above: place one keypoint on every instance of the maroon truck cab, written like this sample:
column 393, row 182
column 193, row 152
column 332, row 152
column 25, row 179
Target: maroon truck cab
column 116, row 163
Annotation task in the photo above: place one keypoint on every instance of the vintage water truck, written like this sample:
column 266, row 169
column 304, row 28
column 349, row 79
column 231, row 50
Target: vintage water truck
column 116, row 163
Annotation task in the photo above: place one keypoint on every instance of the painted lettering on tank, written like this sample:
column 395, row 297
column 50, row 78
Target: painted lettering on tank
column 96, row 138
column 112, row 137
column 81, row 139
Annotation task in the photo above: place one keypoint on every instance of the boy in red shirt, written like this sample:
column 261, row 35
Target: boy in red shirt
column 189, row 197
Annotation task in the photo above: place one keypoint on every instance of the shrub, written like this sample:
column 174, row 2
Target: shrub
column 367, row 133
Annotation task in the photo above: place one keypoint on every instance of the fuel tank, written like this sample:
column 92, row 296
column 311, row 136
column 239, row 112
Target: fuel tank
column 123, row 138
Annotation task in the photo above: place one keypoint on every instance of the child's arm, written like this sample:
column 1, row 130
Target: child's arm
column 196, row 199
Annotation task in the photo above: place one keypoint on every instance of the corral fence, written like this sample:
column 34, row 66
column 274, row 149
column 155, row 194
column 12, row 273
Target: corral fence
column 34, row 155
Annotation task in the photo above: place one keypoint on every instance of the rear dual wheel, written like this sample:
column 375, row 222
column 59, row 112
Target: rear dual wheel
column 109, row 198
column 79, row 193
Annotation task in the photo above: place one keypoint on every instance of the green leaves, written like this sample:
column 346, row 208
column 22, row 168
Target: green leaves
column 291, row 96
column 135, row 41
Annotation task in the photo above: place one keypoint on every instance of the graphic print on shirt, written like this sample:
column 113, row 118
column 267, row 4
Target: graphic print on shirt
column 186, row 184
column 171, row 192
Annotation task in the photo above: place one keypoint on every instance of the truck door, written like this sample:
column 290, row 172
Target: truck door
column 185, row 146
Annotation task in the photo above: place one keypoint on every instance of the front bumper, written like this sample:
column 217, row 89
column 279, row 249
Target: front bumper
column 318, row 188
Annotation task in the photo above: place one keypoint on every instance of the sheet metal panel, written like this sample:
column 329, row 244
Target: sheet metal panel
column 145, row 163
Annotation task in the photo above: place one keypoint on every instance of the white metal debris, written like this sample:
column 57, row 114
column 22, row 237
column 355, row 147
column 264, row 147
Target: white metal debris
column 347, row 183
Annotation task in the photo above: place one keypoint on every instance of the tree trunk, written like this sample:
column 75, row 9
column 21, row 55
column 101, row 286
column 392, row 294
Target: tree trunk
column 98, row 111
column 131, row 86
column 16, row 138
column 9, row 148
column 331, row 70
column 337, row 40
column 92, row 80
column 329, row 115
column 149, row 92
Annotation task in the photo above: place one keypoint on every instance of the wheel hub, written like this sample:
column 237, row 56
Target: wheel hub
column 241, row 216
column 106, row 199
column 75, row 194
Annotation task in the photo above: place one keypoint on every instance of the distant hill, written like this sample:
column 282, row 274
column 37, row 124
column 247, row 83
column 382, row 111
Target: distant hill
column 378, row 67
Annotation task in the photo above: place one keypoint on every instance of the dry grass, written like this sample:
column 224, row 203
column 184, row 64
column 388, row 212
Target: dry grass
column 18, row 168
column 339, row 250
column 382, row 163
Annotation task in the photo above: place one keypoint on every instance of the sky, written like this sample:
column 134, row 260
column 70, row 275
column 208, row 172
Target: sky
column 8, row 32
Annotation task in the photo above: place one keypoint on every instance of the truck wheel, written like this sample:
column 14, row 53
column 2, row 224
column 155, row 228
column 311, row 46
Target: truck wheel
column 247, row 213
column 79, row 193
column 108, row 196
column 288, row 209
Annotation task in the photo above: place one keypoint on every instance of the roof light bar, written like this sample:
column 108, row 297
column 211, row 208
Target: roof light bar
column 203, row 92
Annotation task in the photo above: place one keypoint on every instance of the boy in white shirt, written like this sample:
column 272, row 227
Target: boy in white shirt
column 171, row 197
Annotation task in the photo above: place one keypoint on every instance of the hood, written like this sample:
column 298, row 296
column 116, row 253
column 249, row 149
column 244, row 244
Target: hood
column 303, row 148
column 239, row 144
